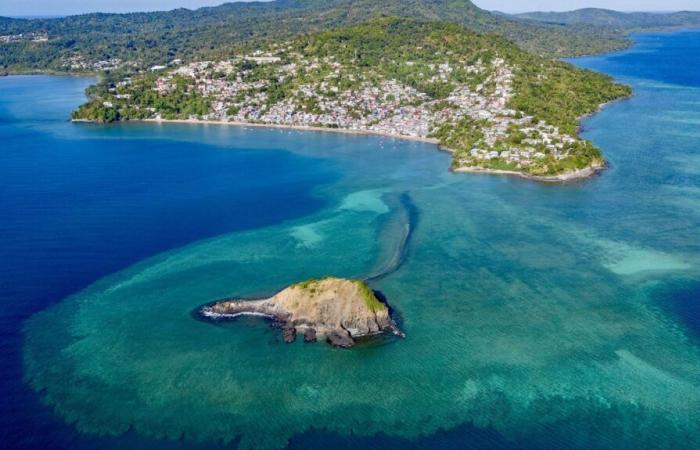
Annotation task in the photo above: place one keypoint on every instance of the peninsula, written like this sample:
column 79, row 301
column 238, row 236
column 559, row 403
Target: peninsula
column 495, row 107
column 334, row 309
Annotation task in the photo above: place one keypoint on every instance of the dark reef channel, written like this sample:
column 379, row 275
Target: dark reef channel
column 682, row 300
column 402, row 224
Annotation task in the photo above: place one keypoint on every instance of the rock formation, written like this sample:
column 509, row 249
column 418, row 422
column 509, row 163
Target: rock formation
column 334, row 309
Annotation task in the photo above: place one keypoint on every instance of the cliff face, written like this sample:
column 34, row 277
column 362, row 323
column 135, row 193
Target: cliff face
column 336, row 309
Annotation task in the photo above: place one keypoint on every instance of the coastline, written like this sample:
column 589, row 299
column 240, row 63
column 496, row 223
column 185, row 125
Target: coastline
column 561, row 178
column 580, row 129
column 576, row 175
column 53, row 73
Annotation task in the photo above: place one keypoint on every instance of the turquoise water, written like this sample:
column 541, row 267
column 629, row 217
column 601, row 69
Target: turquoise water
column 536, row 315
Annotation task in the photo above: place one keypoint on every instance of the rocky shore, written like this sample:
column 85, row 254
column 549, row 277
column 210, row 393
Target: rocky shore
column 337, row 310
column 574, row 175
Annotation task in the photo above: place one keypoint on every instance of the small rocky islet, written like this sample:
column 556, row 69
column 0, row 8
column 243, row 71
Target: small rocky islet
column 337, row 310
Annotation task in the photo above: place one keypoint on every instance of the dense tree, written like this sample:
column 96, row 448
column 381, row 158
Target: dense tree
column 147, row 39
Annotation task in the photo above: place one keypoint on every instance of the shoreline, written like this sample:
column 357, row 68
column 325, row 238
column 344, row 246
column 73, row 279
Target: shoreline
column 567, row 177
column 561, row 178
column 288, row 127
column 580, row 128
column 52, row 73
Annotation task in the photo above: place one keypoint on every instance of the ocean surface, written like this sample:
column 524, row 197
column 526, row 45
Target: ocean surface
column 537, row 316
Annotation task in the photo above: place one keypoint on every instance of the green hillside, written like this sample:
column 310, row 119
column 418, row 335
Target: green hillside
column 94, row 42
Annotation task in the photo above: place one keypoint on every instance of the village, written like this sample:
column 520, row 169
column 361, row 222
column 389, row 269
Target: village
column 24, row 37
column 241, row 90
column 385, row 107
column 77, row 63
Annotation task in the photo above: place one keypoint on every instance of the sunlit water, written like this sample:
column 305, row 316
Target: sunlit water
column 536, row 315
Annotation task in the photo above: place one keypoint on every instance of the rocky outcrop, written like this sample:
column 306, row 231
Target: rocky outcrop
column 334, row 309
column 310, row 335
column 340, row 338
column 289, row 333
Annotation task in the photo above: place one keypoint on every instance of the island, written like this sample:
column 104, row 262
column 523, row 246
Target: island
column 494, row 107
column 335, row 309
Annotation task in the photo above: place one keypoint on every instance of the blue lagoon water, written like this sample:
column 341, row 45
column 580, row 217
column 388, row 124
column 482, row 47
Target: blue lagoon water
column 537, row 316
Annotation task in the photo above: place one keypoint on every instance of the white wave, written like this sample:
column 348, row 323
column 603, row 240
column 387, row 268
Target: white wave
column 215, row 315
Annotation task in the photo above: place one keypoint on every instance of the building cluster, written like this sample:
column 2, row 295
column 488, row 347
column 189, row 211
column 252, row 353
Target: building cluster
column 24, row 37
column 508, row 135
column 79, row 64
column 387, row 107
column 543, row 141
column 323, row 93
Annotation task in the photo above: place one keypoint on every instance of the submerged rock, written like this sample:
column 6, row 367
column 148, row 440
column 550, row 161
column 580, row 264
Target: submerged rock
column 340, row 338
column 336, row 309
column 310, row 335
column 289, row 333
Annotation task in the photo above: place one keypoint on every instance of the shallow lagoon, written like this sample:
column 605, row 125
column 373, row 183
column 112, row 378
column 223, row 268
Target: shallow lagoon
column 538, row 315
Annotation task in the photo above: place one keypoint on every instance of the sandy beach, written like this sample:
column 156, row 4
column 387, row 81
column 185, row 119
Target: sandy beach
column 293, row 127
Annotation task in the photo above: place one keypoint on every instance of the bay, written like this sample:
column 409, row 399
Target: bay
column 537, row 316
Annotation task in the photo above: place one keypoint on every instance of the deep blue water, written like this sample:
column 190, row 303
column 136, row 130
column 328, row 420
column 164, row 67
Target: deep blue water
column 671, row 58
column 659, row 124
column 79, row 202
column 75, row 207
